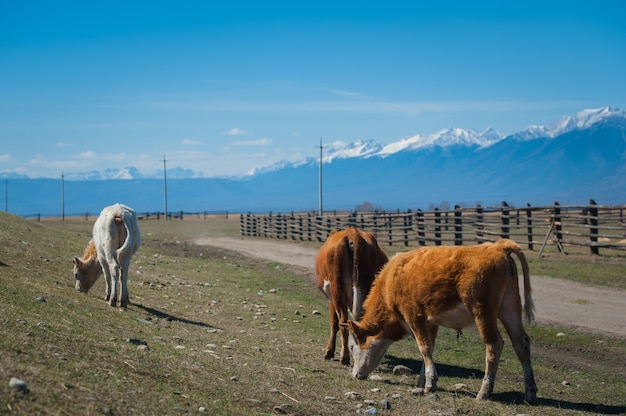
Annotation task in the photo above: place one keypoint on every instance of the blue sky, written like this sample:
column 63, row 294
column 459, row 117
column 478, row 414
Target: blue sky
column 225, row 87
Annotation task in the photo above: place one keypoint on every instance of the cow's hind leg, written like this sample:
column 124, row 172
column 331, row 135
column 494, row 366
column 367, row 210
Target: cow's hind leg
column 488, row 329
column 521, row 344
column 124, row 299
column 115, row 282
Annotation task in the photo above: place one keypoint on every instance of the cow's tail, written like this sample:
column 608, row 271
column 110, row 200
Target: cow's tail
column 529, row 304
column 357, row 301
column 120, row 251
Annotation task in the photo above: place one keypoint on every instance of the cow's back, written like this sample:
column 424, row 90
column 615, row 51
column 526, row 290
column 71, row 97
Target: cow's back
column 348, row 258
column 115, row 228
column 430, row 281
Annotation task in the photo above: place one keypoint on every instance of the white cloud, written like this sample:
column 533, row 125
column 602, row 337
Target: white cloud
column 189, row 142
column 235, row 132
column 5, row 157
column 347, row 94
column 87, row 155
column 62, row 145
column 259, row 142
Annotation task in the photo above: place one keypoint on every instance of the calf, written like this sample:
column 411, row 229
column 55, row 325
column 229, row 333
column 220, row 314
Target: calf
column 116, row 239
column 418, row 291
column 345, row 266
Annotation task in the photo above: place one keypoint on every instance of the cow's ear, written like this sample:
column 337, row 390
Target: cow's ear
column 353, row 327
column 358, row 332
column 76, row 261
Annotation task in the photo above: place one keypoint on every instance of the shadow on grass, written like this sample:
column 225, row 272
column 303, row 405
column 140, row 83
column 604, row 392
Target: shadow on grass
column 163, row 315
column 442, row 369
column 512, row 397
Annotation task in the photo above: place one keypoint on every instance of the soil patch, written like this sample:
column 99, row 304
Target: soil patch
column 558, row 301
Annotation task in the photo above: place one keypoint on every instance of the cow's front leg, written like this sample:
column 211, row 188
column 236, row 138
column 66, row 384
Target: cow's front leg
column 345, row 348
column 107, row 280
column 428, row 380
column 432, row 336
column 334, row 328
column 428, row 374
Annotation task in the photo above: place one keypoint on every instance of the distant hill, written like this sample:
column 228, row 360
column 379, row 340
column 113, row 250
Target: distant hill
column 576, row 158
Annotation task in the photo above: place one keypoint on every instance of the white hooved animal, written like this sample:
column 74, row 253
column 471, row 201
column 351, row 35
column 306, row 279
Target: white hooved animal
column 116, row 238
column 418, row 291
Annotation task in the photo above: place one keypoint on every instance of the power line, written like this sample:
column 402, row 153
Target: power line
column 321, row 206
column 165, row 185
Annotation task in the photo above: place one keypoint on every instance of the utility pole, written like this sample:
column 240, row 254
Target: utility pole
column 62, row 196
column 165, row 184
column 321, row 207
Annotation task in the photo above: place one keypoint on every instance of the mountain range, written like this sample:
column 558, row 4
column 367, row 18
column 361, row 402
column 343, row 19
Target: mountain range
column 576, row 158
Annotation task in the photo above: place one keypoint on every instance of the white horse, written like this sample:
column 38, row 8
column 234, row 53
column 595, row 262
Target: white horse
column 116, row 238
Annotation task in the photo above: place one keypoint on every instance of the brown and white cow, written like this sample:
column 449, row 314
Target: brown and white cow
column 346, row 266
column 116, row 239
column 418, row 291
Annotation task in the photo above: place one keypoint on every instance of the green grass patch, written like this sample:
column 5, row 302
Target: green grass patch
column 213, row 332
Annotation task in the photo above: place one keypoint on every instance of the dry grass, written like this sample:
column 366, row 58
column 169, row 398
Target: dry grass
column 220, row 340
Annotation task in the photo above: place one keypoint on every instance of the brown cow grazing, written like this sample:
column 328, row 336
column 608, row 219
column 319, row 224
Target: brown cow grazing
column 455, row 287
column 346, row 266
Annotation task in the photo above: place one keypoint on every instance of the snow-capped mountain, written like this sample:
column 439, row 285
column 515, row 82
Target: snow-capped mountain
column 128, row 172
column 572, row 160
column 582, row 120
column 371, row 148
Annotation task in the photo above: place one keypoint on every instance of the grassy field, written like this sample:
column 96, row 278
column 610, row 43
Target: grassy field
column 212, row 332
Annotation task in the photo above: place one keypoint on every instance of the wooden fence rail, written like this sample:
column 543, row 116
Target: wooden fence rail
column 593, row 226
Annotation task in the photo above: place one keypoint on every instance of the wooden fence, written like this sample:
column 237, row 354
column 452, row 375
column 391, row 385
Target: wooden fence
column 593, row 226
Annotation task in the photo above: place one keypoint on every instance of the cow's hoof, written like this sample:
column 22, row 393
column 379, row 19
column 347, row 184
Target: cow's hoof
column 345, row 361
column 531, row 398
column 329, row 355
column 482, row 396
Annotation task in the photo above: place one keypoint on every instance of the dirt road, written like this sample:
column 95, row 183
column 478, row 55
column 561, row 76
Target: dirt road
column 568, row 304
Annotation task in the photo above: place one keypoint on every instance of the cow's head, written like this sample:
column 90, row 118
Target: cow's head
column 86, row 272
column 367, row 350
column 368, row 346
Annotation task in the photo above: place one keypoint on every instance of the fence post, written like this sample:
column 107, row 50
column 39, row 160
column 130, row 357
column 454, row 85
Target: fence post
column 480, row 223
column 505, row 220
column 458, row 226
column 529, row 224
column 437, row 227
column 408, row 225
column 328, row 228
column 352, row 219
column 420, row 228
column 279, row 225
column 558, row 227
column 308, row 227
column 593, row 231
